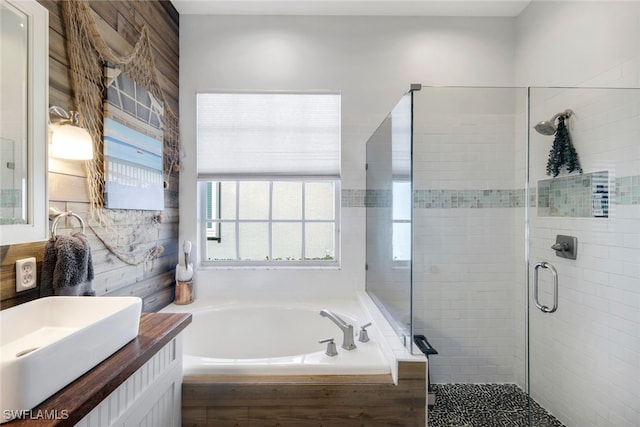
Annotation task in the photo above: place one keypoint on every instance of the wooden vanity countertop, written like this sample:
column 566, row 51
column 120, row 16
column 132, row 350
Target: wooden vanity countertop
column 77, row 399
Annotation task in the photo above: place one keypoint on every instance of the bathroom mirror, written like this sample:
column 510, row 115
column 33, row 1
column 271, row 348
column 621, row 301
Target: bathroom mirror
column 24, row 62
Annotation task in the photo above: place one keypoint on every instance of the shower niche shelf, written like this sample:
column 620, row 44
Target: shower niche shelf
column 578, row 196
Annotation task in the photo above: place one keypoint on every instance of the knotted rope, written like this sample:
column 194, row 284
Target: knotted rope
column 132, row 235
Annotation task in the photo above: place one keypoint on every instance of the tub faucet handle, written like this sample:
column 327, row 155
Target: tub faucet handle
column 364, row 336
column 331, row 347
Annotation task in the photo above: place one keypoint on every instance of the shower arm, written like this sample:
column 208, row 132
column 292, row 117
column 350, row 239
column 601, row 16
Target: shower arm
column 566, row 114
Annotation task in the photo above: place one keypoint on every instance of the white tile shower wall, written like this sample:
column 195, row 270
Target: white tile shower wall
column 464, row 264
column 585, row 357
column 465, row 270
column 464, row 138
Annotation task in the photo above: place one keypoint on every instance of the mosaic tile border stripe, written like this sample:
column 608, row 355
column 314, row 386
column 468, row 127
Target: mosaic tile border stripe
column 625, row 191
column 434, row 199
column 452, row 199
column 353, row 198
column 10, row 198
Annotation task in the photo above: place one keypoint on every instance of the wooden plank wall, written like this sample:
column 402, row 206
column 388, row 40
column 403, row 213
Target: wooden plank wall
column 119, row 22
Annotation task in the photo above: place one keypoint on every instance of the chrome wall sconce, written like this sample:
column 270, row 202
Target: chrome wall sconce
column 69, row 140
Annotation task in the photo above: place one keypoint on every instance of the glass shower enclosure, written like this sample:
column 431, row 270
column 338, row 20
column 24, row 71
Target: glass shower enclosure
column 389, row 211
column 514, row 275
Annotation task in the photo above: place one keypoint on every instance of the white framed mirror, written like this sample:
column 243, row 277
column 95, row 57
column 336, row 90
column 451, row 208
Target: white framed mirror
column 24, row 97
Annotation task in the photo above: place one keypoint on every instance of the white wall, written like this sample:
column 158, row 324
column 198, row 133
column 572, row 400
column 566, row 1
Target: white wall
column 371, row 60
column 578, row 43
column 584, row 357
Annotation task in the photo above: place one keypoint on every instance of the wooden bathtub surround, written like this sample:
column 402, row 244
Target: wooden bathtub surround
column 300, row 401
column 82, row 395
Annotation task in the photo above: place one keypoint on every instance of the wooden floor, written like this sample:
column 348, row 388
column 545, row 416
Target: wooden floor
column 300, row 401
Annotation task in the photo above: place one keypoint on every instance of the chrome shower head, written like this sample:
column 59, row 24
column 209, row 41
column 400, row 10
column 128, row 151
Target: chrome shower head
column 548, row 127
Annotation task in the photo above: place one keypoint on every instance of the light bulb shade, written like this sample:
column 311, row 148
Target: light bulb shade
column 71, row 142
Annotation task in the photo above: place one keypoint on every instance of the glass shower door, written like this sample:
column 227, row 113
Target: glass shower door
column 469, row 299
column 584, row 257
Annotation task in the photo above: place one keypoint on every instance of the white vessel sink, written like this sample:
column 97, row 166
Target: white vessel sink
column 47, row 343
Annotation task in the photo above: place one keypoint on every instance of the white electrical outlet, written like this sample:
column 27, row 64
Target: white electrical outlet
column 26, row 277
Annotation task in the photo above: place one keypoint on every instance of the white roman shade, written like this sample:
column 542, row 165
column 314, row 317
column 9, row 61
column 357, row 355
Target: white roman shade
column 267, row 134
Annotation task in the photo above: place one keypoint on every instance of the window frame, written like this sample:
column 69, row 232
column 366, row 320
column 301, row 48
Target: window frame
column 270, row 263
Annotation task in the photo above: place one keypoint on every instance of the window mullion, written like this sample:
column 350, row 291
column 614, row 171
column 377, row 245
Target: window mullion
column 237, row 222
column 270, row 221
column 219, row 210
column 304, row 222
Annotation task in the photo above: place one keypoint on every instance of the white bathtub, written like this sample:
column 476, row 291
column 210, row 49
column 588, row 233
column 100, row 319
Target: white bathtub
column 276, row 338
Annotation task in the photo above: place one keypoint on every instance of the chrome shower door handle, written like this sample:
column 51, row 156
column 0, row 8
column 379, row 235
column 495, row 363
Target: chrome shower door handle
column 554, row 273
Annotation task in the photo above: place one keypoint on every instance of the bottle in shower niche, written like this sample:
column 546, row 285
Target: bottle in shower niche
column 600, row 202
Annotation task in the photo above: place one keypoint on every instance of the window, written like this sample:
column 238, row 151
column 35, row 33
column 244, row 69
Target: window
column 269, row 176
column 284, row 222
column 401, row 218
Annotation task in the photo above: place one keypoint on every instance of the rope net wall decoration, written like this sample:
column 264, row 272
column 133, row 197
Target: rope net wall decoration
column 131, row 235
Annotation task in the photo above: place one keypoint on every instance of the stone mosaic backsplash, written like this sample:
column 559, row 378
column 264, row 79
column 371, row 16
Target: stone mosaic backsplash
column 571, row 196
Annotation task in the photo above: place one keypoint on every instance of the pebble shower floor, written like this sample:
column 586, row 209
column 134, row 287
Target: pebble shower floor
column 485, row 405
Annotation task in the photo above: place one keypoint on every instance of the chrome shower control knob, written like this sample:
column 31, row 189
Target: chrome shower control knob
column 364, row 336
column 564, row 246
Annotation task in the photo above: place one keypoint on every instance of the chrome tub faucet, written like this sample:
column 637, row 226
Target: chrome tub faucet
column 347, row 330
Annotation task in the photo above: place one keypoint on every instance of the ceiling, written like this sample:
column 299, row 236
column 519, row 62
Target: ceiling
column 504, row 8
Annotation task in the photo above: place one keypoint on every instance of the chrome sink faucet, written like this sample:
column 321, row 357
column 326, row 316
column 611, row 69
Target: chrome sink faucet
column 347, row 330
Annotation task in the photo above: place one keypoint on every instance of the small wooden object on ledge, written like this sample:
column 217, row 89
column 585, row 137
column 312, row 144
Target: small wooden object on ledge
column 184, row 292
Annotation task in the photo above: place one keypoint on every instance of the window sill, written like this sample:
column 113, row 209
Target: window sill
column 211, row 267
